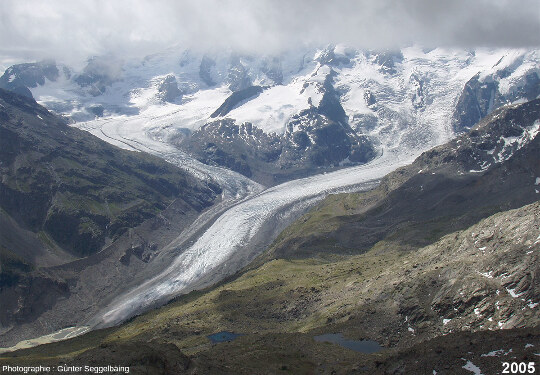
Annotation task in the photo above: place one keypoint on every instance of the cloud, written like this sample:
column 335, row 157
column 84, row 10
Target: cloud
column 72, row 30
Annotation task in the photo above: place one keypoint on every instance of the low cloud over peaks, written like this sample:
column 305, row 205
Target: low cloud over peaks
column 73, row 30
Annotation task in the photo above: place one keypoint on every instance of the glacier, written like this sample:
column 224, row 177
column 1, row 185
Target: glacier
column 403, row 101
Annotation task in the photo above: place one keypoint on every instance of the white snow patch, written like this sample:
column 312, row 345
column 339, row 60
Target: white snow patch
column 509, row 145
column 446, row 321
column 469, row 366
column 497, row 353
column 345, row 161
column 272, row 109
column 494, row 353
column 513, row 292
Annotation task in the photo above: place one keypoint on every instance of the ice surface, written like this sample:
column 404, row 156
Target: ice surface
column 424, row 116
column 272, row 109
column 239, row 233
column 230, row 242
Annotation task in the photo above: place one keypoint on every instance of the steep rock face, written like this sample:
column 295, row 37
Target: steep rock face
column 271, row 67
column 317, row 137
column 77, row 188
column 64, row 194
column 205, row 70
column 168, row 89
column 510, row 80
column 237, row 75
column 474, row 103
column 18, row 78
column 329, row 57
column 409, row 99
column 32, row 295
column 387, row 60
column 235, row 99
column 321, row 135
column 330, row 105
column 242, row 148
column 313, row 140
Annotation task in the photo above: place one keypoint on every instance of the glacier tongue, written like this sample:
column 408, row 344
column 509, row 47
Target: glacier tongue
column 240, row 233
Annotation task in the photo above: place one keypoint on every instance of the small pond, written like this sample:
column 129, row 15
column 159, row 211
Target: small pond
column 363, row 346
column 223, row 336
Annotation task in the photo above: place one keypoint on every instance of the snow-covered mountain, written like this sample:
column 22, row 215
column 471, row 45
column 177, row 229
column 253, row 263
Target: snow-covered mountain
column 272, row 118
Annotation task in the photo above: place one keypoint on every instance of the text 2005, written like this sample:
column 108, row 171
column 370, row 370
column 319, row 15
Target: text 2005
column 518, row 368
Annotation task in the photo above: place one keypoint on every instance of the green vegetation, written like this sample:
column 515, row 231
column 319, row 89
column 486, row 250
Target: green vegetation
column 381, row 295
column 11, row 267
column 77, row 188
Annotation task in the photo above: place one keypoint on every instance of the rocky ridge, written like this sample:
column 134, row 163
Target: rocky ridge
column 315, row 138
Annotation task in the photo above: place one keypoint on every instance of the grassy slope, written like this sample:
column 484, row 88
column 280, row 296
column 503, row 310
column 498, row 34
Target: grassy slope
column 377, row 295
column 77, row 188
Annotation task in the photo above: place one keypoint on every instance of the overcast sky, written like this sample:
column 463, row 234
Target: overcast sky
column 71, row 30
